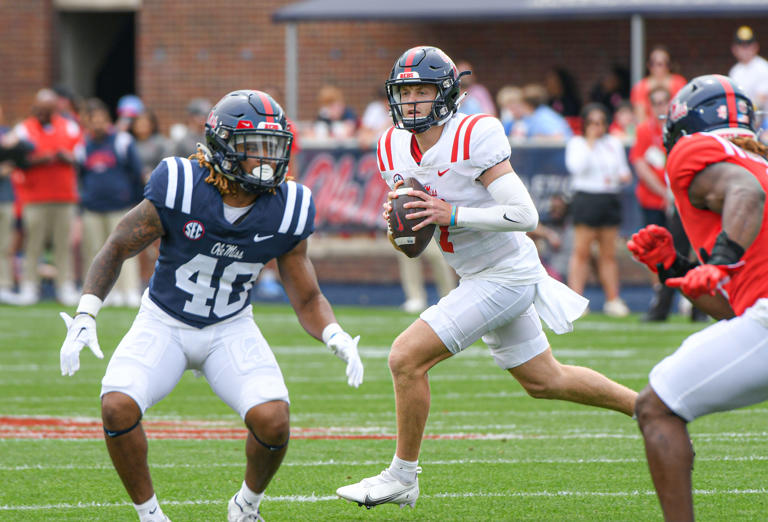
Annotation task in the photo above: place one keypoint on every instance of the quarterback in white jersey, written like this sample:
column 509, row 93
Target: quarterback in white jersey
column 482, row 210
column 449, row 170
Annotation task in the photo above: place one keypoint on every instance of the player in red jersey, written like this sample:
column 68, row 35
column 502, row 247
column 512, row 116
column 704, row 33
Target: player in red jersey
column 718, row 174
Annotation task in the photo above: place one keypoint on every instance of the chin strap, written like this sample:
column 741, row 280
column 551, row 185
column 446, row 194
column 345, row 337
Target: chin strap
column 208, row 156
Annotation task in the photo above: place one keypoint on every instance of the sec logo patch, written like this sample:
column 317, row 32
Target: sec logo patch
column 194, row 230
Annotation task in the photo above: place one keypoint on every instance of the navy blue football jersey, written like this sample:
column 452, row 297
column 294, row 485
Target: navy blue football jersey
column 207, row 266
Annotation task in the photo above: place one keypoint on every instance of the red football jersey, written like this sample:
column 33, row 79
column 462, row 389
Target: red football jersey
column 689, row 156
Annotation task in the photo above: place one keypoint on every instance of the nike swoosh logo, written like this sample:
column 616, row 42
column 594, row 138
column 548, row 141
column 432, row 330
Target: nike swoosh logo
column 153, row 511
column 512, row 220
column 257, row 238
column 81, row 330
column 368, row 501
column 399, row 223
column 443, row 172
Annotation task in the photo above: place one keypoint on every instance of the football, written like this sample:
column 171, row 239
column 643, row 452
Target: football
column 410, row 242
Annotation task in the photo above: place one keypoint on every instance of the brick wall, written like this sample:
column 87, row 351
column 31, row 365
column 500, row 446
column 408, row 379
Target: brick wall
column 25, row 54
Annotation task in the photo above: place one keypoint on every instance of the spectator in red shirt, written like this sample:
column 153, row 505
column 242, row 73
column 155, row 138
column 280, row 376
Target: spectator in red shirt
column 49, row 194
column 660, row 75
column 648, row 159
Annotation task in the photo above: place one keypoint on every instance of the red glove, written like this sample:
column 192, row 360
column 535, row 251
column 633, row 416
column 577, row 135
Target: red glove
column 704, row 279
column 653, row 245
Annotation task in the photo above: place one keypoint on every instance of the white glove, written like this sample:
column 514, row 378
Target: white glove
column 81, row 332
column 345, row 348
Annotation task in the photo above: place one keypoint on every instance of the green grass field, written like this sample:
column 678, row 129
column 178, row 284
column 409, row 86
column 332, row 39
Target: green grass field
column 502, row 455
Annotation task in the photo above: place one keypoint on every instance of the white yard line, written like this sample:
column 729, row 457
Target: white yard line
column 324, row 498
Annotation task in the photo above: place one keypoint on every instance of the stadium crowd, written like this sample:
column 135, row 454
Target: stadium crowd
column 73, row 167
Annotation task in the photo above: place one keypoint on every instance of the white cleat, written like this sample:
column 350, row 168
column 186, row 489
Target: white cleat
column 382, row 489
column 239, row 510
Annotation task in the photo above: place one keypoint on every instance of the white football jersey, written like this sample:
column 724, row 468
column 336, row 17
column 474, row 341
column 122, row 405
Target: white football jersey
column 468, row 146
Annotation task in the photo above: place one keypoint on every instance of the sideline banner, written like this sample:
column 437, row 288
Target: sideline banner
column 348, row 189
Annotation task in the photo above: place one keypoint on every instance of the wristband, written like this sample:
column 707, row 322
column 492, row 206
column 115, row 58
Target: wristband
column 678, row 268
column 454, row 208
column 725, row 251
column 89, row 304
column 331, row 330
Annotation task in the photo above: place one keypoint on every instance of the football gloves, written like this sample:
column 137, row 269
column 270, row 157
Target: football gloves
column 344, row 347
column 81, row 332
column 653, row 245
column 704, row 279
column 722, row 262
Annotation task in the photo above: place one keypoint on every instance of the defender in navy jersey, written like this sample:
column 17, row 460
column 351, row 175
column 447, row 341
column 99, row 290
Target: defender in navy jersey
column 221, row 215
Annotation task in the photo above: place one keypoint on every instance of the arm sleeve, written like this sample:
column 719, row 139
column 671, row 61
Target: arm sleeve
column 515, row 212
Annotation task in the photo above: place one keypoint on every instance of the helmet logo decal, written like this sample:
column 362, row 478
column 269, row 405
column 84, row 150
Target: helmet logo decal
column 730, row 99
column 194, row 230
column 677, row 110
column 407, row 75
column 244, row 124
column 211, row 120
column 270, row 126
column 722, row 112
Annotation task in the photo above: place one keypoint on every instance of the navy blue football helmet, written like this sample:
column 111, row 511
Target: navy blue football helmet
column 709, row 103
column 249, row 124
column 424, row 65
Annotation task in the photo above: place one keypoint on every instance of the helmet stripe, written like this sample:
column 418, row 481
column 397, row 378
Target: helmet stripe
column 268, row 109
column 730, row 99
column 409, row 59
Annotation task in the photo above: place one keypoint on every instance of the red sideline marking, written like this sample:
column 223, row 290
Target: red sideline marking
column 66, row 428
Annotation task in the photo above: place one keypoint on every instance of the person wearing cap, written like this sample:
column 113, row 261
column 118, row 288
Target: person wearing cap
column 128, row 109
column 751, row 70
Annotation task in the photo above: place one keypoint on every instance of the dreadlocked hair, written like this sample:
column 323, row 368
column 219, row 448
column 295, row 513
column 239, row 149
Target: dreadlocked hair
column 217, row 179
column 750, row 145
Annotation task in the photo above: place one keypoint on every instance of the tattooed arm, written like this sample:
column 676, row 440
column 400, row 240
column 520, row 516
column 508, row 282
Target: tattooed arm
column 136, row 230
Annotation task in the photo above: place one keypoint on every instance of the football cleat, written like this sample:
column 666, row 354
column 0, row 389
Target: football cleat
column 384, row 488
column 240, row 510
